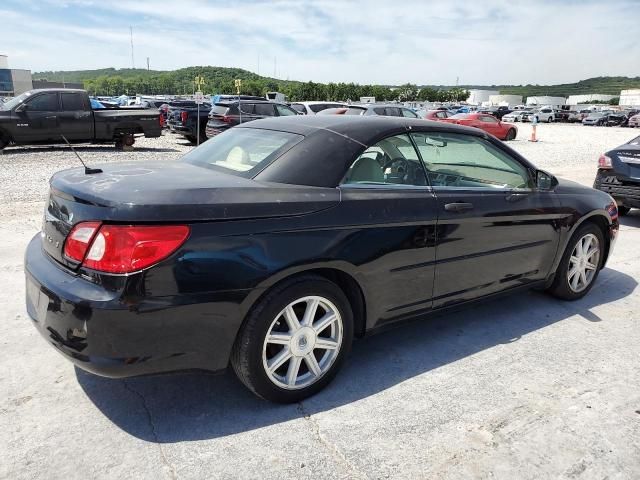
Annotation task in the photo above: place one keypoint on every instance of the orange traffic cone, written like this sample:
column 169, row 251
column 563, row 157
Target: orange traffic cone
column 533, row 134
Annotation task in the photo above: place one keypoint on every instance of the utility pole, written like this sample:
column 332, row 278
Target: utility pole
column 133, row 65
column 275, row 63
column 147, row 64
column 258, row 64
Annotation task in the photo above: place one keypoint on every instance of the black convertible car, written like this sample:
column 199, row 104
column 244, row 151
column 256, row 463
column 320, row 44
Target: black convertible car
column 619, row 175
column 275, row 243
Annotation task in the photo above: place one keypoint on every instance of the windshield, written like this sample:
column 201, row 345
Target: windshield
column 242, row 151
column 15, row 102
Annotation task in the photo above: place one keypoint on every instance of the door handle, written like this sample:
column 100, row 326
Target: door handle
column 514, row 197
column 458, row 207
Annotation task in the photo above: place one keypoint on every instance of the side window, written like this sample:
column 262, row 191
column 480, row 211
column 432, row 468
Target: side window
column 441, row 114
column 247, row 108
column 283, row 111
column 72, row 102
column 464, row 161
column 264, row 109
column 45, row 102
column 380, row 110
column 488, row 119
column 392, row 112
column 392, row 161
column 408, row 113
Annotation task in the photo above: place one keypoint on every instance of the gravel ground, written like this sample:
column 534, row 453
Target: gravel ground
column 524, row 388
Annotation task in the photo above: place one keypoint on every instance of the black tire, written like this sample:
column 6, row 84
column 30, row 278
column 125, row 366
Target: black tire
column 4, row 140
column 247, row 354
column 191, row 139
column 622, row 210
column 511, row 135
column 560, row 287
column 550, row 120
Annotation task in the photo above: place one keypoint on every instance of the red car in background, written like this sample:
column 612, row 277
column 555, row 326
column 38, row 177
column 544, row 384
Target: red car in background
column 436, row 115
column 488, row 123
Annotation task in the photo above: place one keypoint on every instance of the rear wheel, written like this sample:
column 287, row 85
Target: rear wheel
column 580, row 264
column 550, row 119
column 511, row 134
column 295, row 340
column 191, row 139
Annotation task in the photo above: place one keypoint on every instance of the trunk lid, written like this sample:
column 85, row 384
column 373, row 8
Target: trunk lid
column 626, row 161
column 167, row 192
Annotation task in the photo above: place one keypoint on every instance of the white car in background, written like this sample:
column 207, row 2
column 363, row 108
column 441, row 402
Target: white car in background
column 545, row 114
column 311, row 108
column 515, row 116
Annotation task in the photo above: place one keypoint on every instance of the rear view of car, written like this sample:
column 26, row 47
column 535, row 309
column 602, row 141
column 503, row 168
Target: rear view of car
column 594, row 118
column 619, row 175
column 634, row 121
column 225, row 115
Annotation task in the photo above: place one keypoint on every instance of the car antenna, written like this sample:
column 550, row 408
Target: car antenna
column 87, row 170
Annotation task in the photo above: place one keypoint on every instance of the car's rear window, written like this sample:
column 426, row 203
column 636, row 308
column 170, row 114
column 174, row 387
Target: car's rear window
column 219, row 110
column 242, row 151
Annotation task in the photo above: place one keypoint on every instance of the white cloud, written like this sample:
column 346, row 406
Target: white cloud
column 493, row 41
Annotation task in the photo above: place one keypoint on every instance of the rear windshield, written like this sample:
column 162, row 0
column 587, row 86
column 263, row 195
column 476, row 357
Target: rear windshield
column 219, row 110
column 242, row 151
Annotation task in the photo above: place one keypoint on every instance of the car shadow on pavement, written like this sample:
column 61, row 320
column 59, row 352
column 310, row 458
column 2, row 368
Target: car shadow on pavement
column 80, row 148
column 197, row 406
column 631, row 219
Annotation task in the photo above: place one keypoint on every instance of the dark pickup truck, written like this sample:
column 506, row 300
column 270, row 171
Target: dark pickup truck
column 44, row 116
column 182, row 118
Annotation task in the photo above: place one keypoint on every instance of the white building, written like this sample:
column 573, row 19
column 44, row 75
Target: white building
column 592, row 97
column 478, row 97
column 505, row 100
column 630, row 97
column 543, row 101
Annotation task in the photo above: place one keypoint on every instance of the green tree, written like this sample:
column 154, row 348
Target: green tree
column 407, row 92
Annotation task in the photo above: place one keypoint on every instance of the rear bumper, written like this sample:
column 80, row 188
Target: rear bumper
column 622, row 190
column 111, row 333
column 212, row 131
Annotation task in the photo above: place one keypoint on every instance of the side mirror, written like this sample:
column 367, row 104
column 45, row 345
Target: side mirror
column 22, row 108
column 545, row 181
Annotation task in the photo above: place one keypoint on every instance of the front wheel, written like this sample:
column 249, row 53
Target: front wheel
column 580, row 264
column 294, row 341
column 550, row 119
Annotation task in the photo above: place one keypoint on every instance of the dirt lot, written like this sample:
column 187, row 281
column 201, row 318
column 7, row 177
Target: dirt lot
column 522, row 388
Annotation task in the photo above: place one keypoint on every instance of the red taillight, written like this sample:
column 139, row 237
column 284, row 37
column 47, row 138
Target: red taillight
column 183, row 117
column 604, row 162
column 161, row 120
column 126, row 248
column 226, row 119
column 79, row 240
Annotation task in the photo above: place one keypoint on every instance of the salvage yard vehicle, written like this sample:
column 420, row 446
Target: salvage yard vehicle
column 182, row 118
column 619, row 175
column 515, row 116
column 578, row 116
column 274, row 244
column 488, row 123
column 595, row 118
column 391, row 110
column 312, row 108
column 43, row 116
column 225, row 115
column 544, row 115
column 634, row 121
column 435, row 115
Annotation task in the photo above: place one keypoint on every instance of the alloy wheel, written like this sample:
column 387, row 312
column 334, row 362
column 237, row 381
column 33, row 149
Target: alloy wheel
column 583, row 263
column 302, row 342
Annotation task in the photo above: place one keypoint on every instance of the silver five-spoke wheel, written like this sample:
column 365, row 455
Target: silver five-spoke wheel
column 302, row 342
column 583, row 263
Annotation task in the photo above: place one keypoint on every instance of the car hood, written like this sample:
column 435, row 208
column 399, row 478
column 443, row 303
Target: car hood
column 178, row 191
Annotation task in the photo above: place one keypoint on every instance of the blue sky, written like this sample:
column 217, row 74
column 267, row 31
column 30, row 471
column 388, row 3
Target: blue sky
column 376, row 41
